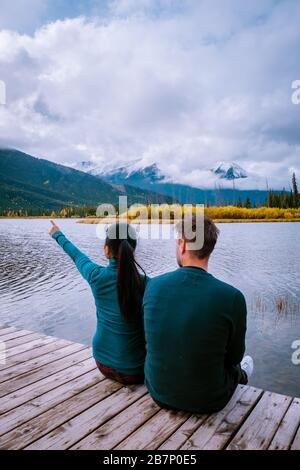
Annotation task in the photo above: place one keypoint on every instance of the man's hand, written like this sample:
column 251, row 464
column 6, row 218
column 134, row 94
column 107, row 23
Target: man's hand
column 54, row 228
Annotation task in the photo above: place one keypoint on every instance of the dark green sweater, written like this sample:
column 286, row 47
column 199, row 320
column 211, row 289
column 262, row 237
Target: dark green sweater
column 115, row 343
column 195, row 328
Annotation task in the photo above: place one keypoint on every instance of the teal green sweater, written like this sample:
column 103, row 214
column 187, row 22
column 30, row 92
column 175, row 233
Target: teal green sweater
column 195, row 329
column 115, row 343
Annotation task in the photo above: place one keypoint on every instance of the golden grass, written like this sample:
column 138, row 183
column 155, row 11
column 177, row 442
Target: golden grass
column 227, row 214
column 260, row 213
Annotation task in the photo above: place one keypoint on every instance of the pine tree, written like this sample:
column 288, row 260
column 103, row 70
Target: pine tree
column 247, row 203
column 295, row 191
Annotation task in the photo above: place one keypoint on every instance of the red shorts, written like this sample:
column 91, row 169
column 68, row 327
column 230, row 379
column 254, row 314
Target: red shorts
column 122, row 378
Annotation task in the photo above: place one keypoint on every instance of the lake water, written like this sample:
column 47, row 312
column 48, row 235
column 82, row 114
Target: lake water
column 41, row 290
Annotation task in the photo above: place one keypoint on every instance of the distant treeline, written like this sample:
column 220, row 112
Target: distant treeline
column 285, row 200
column 65, row 212
column 275, row 200
column 281, row 200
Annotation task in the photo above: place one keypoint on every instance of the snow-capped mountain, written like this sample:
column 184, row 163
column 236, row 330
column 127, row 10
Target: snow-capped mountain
column 229, row 171
column 132, row 172
column 135, row 171
column 151, row 178
column 134, row 175
column 125, row 168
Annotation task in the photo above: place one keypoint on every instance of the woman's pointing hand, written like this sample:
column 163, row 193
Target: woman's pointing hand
column 54, row 228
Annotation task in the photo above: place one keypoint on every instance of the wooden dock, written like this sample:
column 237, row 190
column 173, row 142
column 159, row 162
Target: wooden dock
column 52, row 396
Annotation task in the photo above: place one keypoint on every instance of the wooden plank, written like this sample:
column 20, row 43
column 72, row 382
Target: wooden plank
column 38, row 427
column 22, row 340
column 216, row 431
column 118, row 428
column 183, row 433
column 260, row 427
column 4, row 330
column 48, row 400
column 155, row 431
column 288, row 427
column 15, row 334
column 25, row 367
column 77, row 428
column 3, row 325
column 296, row 442
column 44, row 371
column 22, row 348
column 48, row 345
column 25, row 394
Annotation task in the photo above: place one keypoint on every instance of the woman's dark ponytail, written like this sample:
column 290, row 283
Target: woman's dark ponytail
column 130, row 284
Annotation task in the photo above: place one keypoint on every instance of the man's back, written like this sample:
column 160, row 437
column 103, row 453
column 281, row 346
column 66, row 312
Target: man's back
column 195, row 333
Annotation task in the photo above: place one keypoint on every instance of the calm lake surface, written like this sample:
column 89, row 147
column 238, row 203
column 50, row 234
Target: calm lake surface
column 41, row 290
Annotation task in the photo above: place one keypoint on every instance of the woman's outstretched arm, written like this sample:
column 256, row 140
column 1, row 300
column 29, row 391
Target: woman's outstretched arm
column 85, row 266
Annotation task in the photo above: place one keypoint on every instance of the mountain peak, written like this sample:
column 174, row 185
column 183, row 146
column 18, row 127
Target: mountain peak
column 133, row 170
column 229, row 171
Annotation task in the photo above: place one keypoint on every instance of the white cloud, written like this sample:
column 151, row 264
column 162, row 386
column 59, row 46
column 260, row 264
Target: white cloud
column 185, row 87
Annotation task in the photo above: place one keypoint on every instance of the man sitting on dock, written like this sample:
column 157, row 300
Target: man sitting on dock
column 195, row 327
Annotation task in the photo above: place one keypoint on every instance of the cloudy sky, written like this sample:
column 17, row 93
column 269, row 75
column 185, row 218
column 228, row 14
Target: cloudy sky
column 184, row 83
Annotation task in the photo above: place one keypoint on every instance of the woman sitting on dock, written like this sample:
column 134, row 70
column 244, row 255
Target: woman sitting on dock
column 118, row 344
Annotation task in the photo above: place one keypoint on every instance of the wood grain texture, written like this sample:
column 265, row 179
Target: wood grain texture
column 28, row 367
column 35, row 407
column 260, row 427
column 31, row 391
column 118, row 428
column 34, row 429
column 44, row 371
column 155, row 431
column 113, row 400
column 48, row 345
column 217, row 430
column 288, row 427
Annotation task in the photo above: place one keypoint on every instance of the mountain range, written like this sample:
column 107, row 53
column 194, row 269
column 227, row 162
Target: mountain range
column 27, row 182
column 150, row 177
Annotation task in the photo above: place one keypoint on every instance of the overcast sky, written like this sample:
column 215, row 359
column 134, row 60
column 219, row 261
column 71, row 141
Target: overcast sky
column 184, row 83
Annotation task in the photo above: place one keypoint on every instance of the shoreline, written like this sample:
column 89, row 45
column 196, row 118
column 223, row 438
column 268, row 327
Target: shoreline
column 94, row 220
column 172, row 222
